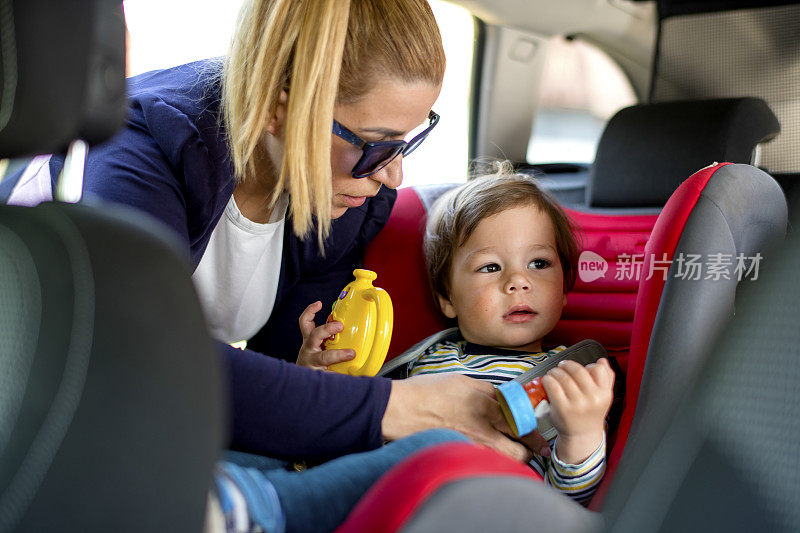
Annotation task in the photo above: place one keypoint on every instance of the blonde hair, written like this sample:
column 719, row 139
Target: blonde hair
column 323, row 52
column 457, row 213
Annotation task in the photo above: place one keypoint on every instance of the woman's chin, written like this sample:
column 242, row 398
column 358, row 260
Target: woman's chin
column 337, row 211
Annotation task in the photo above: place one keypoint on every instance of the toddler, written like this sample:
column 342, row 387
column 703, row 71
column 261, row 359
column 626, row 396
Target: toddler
column 501, row 256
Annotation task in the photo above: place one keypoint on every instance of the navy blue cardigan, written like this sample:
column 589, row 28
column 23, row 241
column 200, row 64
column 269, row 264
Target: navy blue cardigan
column 171, row 160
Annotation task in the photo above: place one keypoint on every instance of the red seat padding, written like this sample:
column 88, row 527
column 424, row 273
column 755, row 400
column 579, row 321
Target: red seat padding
column 603, row 309
column 399, row 492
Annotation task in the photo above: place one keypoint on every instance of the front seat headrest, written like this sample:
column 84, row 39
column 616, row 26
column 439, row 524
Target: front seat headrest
column 647, row 150
column 62, row 74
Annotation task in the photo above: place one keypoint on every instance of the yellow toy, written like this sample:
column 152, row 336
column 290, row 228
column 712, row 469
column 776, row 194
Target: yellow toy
column 367, row 315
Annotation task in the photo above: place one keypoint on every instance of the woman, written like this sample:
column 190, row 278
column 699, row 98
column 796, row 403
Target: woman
column 219, row 154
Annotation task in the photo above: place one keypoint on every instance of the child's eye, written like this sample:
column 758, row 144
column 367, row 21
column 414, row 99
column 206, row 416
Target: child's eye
column 538, row 264
column 491, row 267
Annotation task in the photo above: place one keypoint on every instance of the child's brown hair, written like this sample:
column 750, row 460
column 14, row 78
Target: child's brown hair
column 454, row 217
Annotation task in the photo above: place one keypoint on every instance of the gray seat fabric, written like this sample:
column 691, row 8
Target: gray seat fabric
column 110, row 420
column 742, row 210
column 728, row 457
column 509, row 505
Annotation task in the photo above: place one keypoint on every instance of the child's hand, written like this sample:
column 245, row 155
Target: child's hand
column 580, row 398
column 312, row 353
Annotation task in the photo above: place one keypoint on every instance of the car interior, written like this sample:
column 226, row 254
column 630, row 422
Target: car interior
column 93, row 388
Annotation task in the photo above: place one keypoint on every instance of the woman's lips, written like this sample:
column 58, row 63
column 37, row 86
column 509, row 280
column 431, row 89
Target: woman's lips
column 519, row 314
column 354, row 201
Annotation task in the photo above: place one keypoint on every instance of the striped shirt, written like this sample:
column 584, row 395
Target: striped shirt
column 497, row 366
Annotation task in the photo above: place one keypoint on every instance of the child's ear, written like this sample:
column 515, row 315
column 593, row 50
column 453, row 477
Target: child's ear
column 564, row 303
column 446, row 306
column 278, row 118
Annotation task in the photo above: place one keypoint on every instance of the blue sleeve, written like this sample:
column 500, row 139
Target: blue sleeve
column 159, row 165
column 280, row 409
column 132, row 170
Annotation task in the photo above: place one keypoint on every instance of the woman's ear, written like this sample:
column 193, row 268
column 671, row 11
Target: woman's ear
column 278, row 119
column 446, row 306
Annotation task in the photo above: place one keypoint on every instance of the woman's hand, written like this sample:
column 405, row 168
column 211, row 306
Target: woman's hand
column 457, row 402
column 313, row 353
column 580, row 398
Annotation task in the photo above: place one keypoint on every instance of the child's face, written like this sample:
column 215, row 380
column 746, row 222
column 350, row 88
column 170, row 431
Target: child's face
column 506, row 283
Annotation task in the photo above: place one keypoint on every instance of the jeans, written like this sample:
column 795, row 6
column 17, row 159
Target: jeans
column 320, row 498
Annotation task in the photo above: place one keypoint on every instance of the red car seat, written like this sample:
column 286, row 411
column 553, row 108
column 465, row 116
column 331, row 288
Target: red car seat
column 659, row 329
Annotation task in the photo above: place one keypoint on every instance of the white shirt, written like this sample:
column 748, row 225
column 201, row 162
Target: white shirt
column 237, row 278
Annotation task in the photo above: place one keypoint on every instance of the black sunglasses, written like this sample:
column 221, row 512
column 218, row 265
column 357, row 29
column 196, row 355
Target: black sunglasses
column 379, row 154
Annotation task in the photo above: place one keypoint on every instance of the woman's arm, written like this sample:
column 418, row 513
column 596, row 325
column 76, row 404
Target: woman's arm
column 281, row 409
column 456, row 402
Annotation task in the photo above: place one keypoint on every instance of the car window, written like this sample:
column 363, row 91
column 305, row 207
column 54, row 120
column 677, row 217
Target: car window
column 164, row 34
column 443, row 157
column 581, row 89
column 739, row 58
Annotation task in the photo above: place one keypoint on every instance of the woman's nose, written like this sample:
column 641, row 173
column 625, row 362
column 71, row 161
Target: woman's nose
column 392, row 174
column 516, row 282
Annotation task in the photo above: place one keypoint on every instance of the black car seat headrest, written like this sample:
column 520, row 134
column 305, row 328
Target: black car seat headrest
column 647, row 150
column 62, row 74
